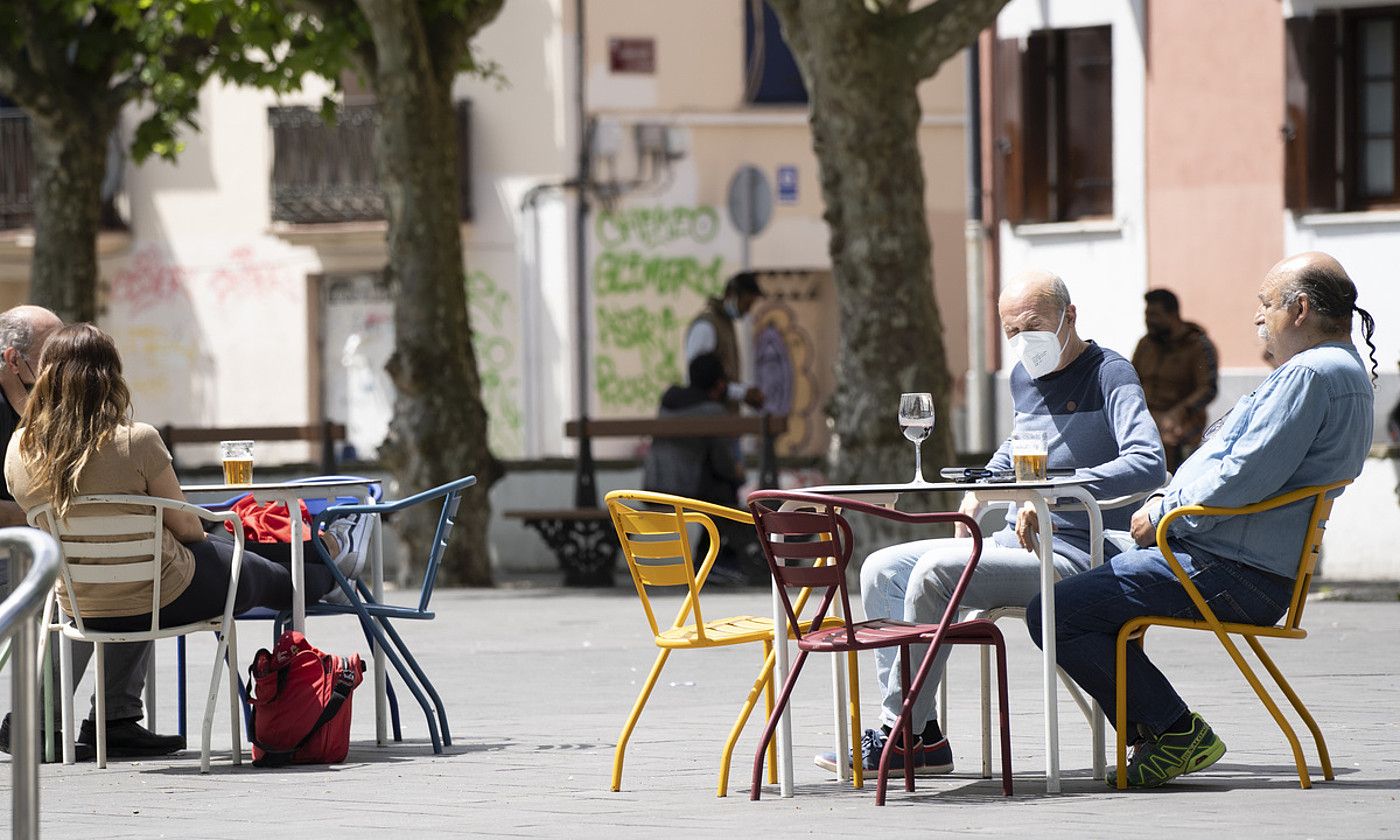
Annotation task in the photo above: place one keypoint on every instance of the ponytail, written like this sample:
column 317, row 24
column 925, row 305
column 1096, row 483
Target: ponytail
column 1368, row 329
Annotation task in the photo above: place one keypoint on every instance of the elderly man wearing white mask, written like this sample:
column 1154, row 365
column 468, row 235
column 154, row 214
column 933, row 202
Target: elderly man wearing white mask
column 1089, row 403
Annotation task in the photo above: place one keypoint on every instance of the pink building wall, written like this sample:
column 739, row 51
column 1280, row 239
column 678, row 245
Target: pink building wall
column 1214, row 159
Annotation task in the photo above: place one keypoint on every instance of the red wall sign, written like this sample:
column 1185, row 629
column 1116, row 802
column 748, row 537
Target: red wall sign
column 632, row 55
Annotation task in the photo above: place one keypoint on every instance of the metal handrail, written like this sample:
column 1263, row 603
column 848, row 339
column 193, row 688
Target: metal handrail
column 36, row 555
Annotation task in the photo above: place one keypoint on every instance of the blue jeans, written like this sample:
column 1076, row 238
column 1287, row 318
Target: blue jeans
column 914, row 581
column 1091, row 607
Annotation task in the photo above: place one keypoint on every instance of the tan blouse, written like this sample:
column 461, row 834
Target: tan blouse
column 125, row 465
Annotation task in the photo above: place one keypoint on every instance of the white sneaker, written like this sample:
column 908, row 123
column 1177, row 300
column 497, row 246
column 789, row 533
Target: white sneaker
column 352, row 533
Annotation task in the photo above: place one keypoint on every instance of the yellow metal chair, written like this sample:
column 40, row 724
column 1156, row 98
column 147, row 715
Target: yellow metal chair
column 1291, row 628
column 652, row 529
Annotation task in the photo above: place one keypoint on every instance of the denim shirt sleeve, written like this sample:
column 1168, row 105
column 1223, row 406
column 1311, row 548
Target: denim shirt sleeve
column 1259, row 452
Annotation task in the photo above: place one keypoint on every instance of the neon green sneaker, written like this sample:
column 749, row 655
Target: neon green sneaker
column 1156, row 762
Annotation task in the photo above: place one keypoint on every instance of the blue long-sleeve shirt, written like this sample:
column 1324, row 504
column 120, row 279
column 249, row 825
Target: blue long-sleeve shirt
column 1308, row 423
column 1096, row 422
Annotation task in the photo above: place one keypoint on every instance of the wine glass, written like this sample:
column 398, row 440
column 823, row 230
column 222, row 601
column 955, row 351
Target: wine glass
column 916, row 421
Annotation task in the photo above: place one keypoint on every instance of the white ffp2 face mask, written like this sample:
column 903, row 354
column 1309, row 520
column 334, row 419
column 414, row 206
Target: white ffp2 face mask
column 1038, row 350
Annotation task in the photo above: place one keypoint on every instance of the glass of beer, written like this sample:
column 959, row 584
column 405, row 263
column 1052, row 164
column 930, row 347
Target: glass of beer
column 1028, row 455
column 237, row 456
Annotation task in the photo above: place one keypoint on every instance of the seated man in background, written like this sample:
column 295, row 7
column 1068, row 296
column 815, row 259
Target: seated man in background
column 1088, row 402
column 1309, row 423
column 703, row 468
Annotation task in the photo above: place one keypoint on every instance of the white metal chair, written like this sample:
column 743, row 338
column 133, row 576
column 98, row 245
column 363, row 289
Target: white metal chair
column 997, row 613
column 123, row 546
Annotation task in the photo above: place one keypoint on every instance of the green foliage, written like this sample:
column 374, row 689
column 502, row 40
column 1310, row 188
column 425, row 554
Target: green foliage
column 65, row 60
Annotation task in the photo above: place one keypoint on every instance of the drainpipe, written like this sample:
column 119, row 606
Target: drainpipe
column 979, row 390
column 585, row 484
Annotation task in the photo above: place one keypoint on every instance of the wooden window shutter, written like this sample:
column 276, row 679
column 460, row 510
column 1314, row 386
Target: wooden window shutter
column 1038, row 109
column 1310, row 117
column 1084, row 123
column 1008, row 176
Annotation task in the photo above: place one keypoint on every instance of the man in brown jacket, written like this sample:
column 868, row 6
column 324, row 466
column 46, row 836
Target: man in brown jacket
column 712, row 331
column 1177, row 364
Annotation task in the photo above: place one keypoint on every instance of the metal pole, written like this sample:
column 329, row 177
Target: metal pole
column 585, row 486
column 24, row 694
column 746, row 205
column 33, row 560
column 979, row 392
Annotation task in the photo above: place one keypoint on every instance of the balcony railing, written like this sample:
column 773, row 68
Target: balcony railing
column 325, row 172
column 16, row 170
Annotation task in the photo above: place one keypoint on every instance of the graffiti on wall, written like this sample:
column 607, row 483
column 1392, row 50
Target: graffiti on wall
column 245, row 275
column 184, row 322
column 794, row 345
column 359, row 334
column 652, row 227
column 492, row 316
column 151, row 279
column 650, row 277
column 147, row 281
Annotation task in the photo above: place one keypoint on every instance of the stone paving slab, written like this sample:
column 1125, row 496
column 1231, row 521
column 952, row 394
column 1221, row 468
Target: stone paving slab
column 539, row 680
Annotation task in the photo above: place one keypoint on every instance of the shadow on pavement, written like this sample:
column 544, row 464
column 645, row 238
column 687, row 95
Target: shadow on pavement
column 361, row 754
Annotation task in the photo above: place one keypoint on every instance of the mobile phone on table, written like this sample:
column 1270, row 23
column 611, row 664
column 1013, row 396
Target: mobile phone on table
column 965, row 475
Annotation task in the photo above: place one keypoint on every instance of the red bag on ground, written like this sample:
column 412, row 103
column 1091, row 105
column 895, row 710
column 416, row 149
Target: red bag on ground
column 268, row 523
column 301, row 703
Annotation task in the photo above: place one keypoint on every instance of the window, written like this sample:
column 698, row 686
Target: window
column 16, row 168
column 1343, row 148
column 771, row 76
column 1371, row 79
column 1053, row 102
column 325, row 172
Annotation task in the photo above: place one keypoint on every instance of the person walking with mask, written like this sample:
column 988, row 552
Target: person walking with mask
column 712, row 331
column 1090, row 405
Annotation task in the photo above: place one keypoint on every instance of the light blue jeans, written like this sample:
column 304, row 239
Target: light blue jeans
column 913, row 581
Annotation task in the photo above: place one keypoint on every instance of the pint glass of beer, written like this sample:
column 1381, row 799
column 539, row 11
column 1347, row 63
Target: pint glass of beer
column 1028, row 455
column 237, row 456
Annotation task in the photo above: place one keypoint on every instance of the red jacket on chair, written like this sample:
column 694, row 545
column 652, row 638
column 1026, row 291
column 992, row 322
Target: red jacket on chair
column 268, row 523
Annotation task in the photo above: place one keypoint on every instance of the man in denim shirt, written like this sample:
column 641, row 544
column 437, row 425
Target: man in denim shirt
column 1308, row 423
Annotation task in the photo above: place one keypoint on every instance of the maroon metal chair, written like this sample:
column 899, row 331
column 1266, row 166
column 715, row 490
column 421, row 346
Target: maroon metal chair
column 793, row 540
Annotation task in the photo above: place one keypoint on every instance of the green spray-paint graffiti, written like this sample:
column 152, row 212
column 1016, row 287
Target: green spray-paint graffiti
column 638, row 294
column 650, row 227
column 495, row 357
column 631, row 272
column 651, row 338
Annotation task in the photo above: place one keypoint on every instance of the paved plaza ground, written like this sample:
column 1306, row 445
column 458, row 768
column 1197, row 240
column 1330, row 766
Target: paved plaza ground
column 538, row 681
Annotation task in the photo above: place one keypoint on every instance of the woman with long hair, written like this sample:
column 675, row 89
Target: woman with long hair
column 77, row 438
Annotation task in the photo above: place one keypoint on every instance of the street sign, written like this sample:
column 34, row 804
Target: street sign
column 787, row 184
column 750, row 200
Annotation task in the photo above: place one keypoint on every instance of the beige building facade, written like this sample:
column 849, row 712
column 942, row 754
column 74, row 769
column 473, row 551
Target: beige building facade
column 1134, row 145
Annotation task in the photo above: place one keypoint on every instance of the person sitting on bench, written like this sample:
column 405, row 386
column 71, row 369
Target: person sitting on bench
column 705, row 468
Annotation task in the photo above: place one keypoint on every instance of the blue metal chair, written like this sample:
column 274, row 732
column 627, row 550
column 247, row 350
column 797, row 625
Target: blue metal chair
column 314, row 507
column 375, row 617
